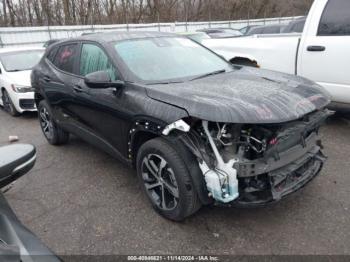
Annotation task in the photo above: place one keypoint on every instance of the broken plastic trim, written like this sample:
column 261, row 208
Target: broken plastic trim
column 178, row 125
column 222, row 182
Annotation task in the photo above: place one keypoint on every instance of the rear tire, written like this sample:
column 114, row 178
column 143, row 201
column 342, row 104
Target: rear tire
column 8, row 104
column 52, row 132
column 166, row 180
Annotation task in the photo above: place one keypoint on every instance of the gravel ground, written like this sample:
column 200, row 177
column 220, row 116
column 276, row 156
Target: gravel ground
column 79, row 200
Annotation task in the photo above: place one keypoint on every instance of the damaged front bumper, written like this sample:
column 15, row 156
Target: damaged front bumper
column 266, row 169
column 254, row 165
column 283, row 172
column 273, row 186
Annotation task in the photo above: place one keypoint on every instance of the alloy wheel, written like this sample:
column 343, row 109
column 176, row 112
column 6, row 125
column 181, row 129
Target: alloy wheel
column 46, row 123
column 160, row 182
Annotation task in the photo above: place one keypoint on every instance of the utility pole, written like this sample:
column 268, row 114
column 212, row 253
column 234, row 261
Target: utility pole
column 48, row 24
column 92, row 18
column 186, row 14
column 209, row 13
column 158, row 20
column 249, row 4
column 126, row 20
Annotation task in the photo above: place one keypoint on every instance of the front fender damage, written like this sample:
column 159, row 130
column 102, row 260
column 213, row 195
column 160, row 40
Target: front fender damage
column 221, row 180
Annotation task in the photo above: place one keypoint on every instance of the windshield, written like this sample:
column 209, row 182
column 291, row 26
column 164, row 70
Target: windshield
column 21, row 60
column 168, row 59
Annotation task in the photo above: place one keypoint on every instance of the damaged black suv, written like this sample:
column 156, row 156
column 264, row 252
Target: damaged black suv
column 197, row 129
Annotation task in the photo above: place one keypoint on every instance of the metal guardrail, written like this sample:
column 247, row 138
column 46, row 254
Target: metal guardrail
column 19, row 36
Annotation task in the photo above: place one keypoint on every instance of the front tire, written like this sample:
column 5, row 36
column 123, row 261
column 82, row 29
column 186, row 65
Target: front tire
column 166, row 180
column 9, row 107
column 52, row 132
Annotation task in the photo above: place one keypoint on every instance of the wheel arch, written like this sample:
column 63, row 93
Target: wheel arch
column 136, row 141
column 144, row 131
column 1, row 94
column 141, row 131
column 191, row 161
column 2, row 89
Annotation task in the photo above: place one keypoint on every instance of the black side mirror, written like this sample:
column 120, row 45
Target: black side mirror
column 16, row 160
column 101, row 79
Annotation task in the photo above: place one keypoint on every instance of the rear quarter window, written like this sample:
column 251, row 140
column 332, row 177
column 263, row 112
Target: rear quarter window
column 66, row 57
column 51, row 54
column 335, row 20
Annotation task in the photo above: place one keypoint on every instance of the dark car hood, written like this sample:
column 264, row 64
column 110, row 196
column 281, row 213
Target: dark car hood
column 245, row 95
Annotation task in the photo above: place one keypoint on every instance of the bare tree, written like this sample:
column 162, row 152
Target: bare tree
column 74, row 12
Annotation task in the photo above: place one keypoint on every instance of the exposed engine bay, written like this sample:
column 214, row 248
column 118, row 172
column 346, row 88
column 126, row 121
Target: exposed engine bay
column 256, row 164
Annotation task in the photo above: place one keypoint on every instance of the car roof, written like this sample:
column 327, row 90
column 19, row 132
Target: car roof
column 257, row 29
column 269, row 26
column 116, row 36
column 218, row 28
column 53, row 40
column 18, row 49
column 190, row 33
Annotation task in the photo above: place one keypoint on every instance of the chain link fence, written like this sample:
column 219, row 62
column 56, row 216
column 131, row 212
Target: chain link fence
column 36, row 36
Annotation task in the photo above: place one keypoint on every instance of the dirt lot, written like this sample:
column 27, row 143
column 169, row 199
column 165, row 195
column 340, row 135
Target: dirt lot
column 79, row 200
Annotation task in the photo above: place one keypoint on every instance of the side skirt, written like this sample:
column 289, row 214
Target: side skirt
column 95, row 140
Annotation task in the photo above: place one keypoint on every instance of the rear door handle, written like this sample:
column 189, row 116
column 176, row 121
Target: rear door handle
column 316, row 48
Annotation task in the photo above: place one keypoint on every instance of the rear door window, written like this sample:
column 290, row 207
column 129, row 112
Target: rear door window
column 93, row 59
column 66, row 57
column 335, row 20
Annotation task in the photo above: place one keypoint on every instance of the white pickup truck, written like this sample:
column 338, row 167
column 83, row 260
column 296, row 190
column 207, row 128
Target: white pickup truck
column 321, row 53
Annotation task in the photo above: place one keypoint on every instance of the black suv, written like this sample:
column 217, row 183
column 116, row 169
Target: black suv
column 197, row 129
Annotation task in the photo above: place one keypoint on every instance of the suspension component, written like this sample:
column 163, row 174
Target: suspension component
column 222, row 182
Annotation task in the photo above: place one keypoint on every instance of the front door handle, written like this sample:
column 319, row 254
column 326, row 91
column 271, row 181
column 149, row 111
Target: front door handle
column 78, row 89
column 47, row 79
column 316, row 48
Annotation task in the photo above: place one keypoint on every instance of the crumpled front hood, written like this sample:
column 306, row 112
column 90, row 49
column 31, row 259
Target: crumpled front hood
column 246, row 95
